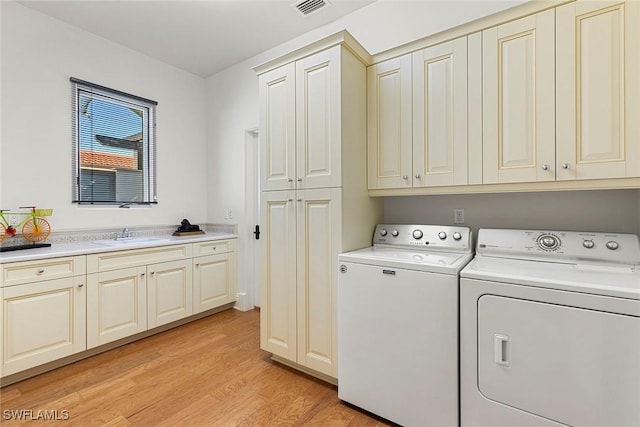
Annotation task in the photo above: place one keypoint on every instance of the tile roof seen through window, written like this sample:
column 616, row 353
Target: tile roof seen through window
column 107, row 160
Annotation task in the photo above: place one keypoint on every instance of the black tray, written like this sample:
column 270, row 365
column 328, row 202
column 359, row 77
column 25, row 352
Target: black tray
column 27, row 246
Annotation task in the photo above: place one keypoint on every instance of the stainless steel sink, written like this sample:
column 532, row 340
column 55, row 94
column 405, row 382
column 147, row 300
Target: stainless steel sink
column 133, row 241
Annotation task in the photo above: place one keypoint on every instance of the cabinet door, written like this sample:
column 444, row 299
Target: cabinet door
column 389, row 123
column 598, row 94
column 278, row 277
column 519, row 100
column 42, row 322
column 440, row 115
column 213, row 281
column 277, row 128
column 117, row 305
column 318, row 142
column 169, row 292
column 318, row 240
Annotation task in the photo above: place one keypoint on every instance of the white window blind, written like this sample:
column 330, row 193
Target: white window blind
column 114, row 156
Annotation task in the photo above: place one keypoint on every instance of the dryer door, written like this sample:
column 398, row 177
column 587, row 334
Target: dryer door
column 571, row 365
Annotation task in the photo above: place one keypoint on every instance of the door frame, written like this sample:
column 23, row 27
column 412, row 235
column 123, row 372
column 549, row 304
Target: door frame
column 252, row 204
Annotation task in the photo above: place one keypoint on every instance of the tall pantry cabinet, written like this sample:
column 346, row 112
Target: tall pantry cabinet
column 314, row 201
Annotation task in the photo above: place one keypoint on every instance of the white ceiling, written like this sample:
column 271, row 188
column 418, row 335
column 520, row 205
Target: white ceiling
column 199, row 36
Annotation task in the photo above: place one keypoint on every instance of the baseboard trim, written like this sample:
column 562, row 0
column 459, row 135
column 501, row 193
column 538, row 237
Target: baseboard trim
column 324, row 377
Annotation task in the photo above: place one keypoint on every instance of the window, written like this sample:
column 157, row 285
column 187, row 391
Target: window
column 114, row 158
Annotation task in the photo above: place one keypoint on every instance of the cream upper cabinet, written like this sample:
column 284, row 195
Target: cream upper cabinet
column 318, row 224
column 519, row 100
column 278, row 284
column 389, row 114
column 318, row 120
column 534, row 98
column 598, row 90
column 278, row 129
column 300, row 118
column 440, row 115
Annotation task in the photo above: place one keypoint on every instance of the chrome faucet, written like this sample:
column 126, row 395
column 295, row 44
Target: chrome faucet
column 125, row 234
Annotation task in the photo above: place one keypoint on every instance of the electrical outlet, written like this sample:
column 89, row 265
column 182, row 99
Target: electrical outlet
column 228, row 214
column 458, row 216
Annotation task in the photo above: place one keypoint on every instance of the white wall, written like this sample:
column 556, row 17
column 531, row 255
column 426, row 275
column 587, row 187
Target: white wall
column 604, row 210
column 39, row 54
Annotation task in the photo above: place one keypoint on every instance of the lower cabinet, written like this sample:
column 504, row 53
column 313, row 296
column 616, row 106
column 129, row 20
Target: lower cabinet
column 213, row 281
column 53, row 308
column 116, row 305
column 169, row 292
column 302, row 239
column 42, row 322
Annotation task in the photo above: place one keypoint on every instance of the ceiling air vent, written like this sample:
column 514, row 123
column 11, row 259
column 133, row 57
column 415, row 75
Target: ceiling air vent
column 307, row 7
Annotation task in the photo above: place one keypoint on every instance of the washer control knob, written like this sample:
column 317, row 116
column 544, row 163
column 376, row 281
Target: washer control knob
column 612, row 245
column 417, row 234
column 548, row 241
column 457, row 236
column 383, row 232
column 588, row 244
column 442, row 235
column 395, row 233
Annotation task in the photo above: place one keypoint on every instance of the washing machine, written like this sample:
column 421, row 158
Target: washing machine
column 550, row 330
column 398, row 323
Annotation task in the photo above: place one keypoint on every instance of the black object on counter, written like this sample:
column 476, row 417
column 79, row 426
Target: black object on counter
column 27, row 246
column 186, row 228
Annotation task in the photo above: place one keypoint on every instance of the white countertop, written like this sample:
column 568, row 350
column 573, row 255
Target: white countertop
column 91, row 247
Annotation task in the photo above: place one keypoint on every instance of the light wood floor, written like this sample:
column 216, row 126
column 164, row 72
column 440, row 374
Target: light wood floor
column 207, row 373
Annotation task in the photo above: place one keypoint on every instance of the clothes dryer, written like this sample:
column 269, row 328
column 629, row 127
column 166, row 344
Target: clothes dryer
column 550, row 330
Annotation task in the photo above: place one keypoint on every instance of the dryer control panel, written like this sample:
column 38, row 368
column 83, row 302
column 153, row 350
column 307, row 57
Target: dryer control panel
column 560, row 246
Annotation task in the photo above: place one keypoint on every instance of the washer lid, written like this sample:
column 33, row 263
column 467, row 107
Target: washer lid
column 434, row 262
column 598, row 279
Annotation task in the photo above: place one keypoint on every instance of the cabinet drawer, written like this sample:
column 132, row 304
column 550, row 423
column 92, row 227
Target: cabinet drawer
column 213, row 247
column 37, row 271
column 135, row 257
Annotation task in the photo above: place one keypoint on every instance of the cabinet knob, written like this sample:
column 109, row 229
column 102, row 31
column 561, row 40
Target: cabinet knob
column 290, row 200
column 299, row 179
column 545, row 167
column 40, row 271
column 566, row 166
column 290, row 179
column 299, row 200
column 153, row 272
column 141, row 274
column 417, row 176
column 197, row 264
column 80, row 285
column 405, row 177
